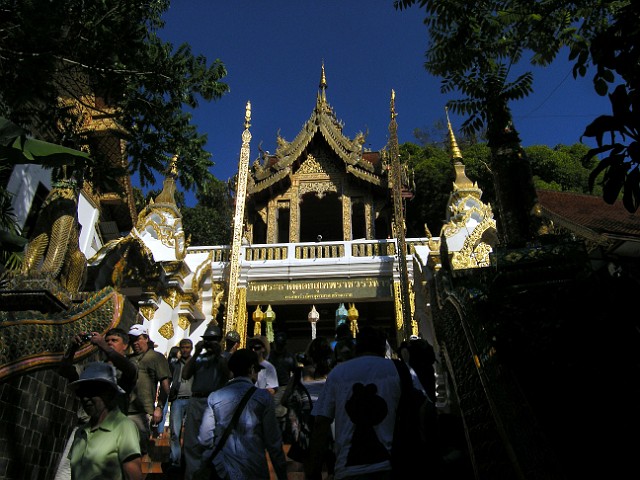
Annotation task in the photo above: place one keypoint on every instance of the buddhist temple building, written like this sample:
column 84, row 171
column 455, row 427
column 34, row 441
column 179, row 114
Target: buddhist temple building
column 314, row 245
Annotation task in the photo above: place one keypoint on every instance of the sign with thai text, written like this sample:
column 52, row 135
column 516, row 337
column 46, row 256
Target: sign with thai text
column 317, row 290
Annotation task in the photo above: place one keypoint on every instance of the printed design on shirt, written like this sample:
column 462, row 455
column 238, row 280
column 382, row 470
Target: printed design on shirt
column 366, row 409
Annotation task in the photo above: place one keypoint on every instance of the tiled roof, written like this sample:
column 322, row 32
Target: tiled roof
column 591, row 212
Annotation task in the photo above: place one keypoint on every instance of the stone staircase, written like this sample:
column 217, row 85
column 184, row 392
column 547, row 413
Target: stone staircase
column 159, row 452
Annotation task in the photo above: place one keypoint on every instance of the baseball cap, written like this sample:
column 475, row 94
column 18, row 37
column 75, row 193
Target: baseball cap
column 240, row 361
column 233, row 336
column 137, row 330
column 100, row 372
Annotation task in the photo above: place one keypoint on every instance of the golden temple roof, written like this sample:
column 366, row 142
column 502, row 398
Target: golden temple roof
column 323, row 123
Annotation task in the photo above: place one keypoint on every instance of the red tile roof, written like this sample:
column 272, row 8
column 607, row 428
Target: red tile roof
column 590, row 212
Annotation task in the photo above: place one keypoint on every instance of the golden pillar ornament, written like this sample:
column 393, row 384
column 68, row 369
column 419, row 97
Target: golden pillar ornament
column 352, row 315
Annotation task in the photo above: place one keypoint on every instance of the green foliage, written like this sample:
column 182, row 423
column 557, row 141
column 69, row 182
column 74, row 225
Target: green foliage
column 496, row 34
column 433, row 180
column 110, row 48
column 558, row 168
column 206, row 226
column 210, row 221
column 615, row 50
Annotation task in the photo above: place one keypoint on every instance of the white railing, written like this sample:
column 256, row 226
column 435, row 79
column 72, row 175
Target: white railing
column 312, row 250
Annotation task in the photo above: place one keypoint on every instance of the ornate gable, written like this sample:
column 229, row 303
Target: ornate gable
column 322, row 124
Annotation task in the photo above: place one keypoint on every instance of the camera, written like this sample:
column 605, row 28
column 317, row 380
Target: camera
column 86, row 337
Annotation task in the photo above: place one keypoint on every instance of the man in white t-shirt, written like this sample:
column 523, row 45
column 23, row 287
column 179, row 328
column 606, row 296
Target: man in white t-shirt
column 267, row 377
column 362, row 396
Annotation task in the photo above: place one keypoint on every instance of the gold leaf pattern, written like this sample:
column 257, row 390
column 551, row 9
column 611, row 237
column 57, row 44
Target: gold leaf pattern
column 183, row 322
column 172, row 297
column 148, row 311
column 166, row 330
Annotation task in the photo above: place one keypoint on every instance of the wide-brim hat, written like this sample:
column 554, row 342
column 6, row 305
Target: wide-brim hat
column 241, row 361
column 263, row 340
column 98, row 372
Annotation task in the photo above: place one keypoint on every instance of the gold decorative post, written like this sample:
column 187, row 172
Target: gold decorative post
column 238, row 221
column 398, row 220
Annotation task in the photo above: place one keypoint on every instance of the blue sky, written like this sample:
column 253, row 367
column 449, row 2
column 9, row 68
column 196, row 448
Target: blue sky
column 274, row 49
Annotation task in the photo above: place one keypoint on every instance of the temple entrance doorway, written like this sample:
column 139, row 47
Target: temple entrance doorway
column 320, row 216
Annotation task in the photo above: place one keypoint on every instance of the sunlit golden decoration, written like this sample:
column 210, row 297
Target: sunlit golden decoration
column 183, row 321
column 53, row 251
column 257, row 316
column 269, row 317
column 166, row 330
column 242, row 316
column 353, row 315
column 313, row 317
column 398, row 307
column 218, row 296
column 238, row 222
column 398, row 221
column 117, row 274
column 148, row 311
column 172, row 297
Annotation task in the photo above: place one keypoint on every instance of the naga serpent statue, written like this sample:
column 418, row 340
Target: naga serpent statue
column 53, row 250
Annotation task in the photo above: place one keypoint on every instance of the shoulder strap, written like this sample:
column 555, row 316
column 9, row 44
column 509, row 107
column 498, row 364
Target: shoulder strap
column 306, row 392
column 232, row 423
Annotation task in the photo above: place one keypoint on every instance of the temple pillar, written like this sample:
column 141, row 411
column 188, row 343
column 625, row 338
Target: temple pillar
column 346, row 217
column 272, row 221
column 397, row 302
column 294, row 214
column 370, row 219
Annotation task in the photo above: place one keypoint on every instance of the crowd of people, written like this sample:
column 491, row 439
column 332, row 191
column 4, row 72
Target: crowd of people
column 327, row 412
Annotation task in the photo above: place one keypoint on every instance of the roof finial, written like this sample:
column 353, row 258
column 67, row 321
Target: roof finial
column 323, row 85
column 247, row 116
column 173, row 166
column 323, row 80
column 393, row 104
column 169, row 184
column 455, row 151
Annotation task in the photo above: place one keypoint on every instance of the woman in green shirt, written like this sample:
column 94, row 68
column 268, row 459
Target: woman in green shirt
column 108, row 445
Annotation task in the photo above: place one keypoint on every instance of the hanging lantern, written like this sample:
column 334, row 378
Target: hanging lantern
column 352, row 315
column 269, row 317
column 341, row 314
column 257, row 316
column 313, row 317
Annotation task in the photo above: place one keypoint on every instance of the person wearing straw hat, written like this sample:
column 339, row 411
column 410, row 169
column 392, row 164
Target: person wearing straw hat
column 108, row 445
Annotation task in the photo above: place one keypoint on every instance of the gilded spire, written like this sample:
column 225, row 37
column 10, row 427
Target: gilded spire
column 455, row 151
column 173, row 166
column 393, row 104
column 169, row 185
column 323, row 80
column 461, row 181
column 247, row 116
